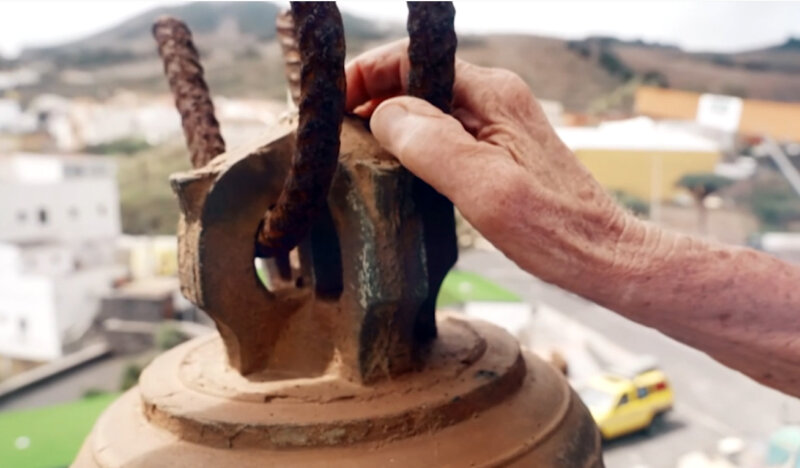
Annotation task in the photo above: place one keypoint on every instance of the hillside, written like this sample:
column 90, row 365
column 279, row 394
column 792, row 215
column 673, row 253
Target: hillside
column 236, row 41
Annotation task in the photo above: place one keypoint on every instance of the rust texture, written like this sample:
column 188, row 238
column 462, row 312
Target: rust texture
column 192, row 98
column 364, row 275
column 431, row 51
column 284, row 25
column 320, row 36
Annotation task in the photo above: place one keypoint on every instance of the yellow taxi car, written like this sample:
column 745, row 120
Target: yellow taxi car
column 628, row 400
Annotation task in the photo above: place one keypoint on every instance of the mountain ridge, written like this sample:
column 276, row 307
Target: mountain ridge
column 241, row 57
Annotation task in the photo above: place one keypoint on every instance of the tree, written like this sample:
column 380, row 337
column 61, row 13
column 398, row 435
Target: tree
column 168, row 336
column 774, row 203
column 701, row 185
column 130, row 376
column 632, row 203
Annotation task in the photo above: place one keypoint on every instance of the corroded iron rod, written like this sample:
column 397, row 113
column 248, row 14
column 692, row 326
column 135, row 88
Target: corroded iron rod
column 284, row 24
column 192, row 98
column 432, row 52
column 320, row 36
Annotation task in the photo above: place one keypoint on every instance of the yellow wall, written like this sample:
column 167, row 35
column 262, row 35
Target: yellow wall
column 779, row 120
column 632, row 171
column 666, row 103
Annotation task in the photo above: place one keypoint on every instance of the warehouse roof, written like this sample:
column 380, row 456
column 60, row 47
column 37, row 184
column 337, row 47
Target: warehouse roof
column 637, row 134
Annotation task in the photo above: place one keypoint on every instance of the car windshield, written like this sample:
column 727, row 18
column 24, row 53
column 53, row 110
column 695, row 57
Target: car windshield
column 596, row 398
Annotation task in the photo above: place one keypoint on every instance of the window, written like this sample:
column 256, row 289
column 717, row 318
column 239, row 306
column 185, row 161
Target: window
column 623, row 400
column 42, row 216
column 641, row 392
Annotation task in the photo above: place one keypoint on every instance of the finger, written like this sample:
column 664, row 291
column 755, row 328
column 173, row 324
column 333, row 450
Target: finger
column 377, row 74
column 489, row 94
column 431, row 144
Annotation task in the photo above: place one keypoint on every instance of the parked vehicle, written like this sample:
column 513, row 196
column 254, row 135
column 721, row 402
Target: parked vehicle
column 623, row 401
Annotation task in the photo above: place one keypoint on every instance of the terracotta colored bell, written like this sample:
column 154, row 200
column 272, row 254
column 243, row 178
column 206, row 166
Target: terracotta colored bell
column 339, row 361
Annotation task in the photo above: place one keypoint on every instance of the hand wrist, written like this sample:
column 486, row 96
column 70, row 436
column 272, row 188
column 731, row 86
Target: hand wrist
column 619, row 260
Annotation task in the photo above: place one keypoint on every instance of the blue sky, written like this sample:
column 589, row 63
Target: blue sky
column 699, row 25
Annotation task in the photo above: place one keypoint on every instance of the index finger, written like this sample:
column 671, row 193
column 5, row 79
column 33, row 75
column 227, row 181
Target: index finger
column 377, row 74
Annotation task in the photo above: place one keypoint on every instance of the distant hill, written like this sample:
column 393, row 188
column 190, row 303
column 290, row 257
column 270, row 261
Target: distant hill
column 241, row 57
column 792, row 44
column 229, row 22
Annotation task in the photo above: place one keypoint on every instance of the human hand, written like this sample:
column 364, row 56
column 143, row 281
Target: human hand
column 501, row 163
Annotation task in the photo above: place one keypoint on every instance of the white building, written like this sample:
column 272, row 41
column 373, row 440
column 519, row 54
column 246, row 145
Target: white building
column 77, row 123
column 59, row 220
column 13, row 120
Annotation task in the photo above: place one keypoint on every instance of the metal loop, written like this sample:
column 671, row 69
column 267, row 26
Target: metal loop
column 320, row 39
column 432, row 52
column 192, row 98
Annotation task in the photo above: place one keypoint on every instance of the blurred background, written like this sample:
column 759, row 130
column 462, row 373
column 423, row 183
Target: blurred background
column 689, row 113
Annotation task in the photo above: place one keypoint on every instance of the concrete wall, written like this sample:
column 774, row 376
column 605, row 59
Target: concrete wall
column 60, row 220
column 41, row 313
column 666, row 103
column 27, row 318
column 775, row 119
column 78, row 298
column 67, row 210
column 644, row 173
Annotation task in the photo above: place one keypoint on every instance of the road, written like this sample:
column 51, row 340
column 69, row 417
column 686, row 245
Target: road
column 103, row 375
column 712, row 401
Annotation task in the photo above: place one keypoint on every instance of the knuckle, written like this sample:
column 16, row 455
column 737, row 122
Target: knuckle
column 510, row 83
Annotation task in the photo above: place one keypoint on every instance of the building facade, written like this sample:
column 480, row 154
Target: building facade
column 59, row 221
column 642, row 157
column 751, row 117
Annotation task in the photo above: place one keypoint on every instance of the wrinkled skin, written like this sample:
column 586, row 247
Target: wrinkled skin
column 501, row 163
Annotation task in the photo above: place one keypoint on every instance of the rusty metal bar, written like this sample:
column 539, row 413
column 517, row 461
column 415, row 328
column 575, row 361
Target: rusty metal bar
column 284, row 24
column 432, row 52
column 192, row 98
column 320, row 36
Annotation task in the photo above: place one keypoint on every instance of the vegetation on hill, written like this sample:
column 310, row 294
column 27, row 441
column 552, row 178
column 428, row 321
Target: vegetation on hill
column 242, row 59
column 147, row 202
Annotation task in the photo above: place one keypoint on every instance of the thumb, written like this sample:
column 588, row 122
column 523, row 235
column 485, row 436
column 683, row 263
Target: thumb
column 427, row 141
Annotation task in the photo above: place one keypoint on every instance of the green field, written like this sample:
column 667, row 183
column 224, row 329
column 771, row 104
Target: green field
column 48, row 437
column 460, row 287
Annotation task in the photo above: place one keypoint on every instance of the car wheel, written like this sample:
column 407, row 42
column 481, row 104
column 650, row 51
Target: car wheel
column 656, row 424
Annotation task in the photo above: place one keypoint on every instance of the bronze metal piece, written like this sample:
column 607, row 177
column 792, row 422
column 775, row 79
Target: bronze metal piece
column 185, row 77
column 320, row 37
column 363, row 277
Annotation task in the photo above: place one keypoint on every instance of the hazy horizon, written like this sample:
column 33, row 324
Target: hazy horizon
column 719, row 26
